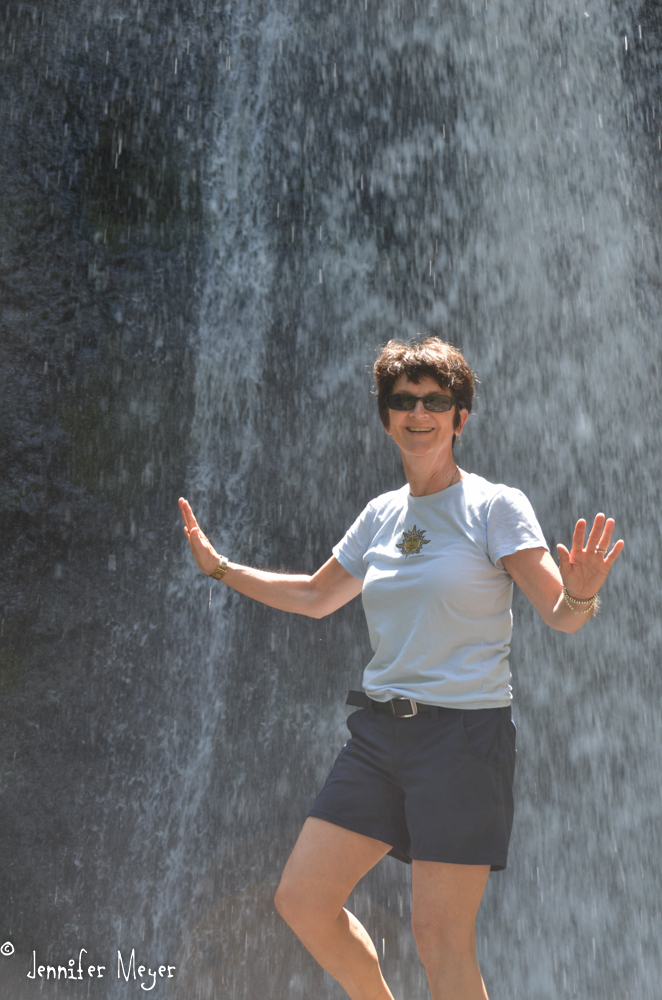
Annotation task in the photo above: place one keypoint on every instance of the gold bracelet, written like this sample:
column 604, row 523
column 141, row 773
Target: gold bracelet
column 590, row 602
column 220, row 570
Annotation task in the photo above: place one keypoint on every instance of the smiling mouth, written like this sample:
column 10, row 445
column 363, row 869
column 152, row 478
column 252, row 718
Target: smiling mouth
column 420, row 430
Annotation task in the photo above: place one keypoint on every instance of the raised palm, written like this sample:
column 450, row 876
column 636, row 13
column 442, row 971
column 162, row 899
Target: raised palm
column 586, row 567
column 203, row 551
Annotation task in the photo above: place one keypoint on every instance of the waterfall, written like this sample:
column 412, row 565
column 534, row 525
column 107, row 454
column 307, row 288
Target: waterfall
column 212, row 221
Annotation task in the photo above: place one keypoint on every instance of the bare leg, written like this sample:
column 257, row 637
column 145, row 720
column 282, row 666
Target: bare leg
column 445, row 901
column 325, row 865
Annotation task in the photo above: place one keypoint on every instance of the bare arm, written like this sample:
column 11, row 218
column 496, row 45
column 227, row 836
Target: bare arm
column 315, row 596
column 582, row 570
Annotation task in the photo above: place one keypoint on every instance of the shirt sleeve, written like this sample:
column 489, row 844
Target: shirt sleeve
column 351, row 549
column 512, row 525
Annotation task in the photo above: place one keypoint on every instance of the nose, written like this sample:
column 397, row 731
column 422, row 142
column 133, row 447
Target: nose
column 419, row 409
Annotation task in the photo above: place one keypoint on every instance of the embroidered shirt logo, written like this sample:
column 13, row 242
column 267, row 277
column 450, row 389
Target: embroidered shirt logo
column 412, row 541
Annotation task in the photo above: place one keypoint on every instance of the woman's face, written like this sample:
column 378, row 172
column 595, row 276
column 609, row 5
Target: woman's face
column 420, row 432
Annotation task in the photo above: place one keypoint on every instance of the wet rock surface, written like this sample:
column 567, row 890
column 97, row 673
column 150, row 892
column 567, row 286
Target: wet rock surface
column 210, row 217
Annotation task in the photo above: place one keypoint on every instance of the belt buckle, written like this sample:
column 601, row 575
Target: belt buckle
column 407, row 715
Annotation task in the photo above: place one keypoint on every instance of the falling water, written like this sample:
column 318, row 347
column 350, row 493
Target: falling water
column 232, row 209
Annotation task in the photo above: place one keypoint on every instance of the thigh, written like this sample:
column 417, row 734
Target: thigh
column 457, row 776
column 327, row 862
column 362, row 793
column 446, row 897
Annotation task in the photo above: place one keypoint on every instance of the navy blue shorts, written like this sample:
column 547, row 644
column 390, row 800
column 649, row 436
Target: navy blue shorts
column 435, row 789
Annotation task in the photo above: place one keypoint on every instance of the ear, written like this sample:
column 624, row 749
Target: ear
column 464, row 415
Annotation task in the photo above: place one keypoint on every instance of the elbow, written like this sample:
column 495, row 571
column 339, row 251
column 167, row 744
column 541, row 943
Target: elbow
column 305, row 601
column 318, row 611
column 309, row 609
column 317, row 604
column 568, row 628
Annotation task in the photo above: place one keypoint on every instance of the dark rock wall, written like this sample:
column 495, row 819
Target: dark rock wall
column 100, row 250
column 210, row 216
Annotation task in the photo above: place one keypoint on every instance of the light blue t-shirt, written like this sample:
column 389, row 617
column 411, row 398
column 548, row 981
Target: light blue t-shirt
column 436, row 597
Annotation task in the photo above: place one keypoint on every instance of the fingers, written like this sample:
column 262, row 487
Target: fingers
column 185, row 510
column 605, row 528
column 195, row 537
column 564, row 557
column 204, row 553
column 597, row 543
column 578, row 536
column 615, row 553
column 605, row 537
column 189, row 519
column 595, row 533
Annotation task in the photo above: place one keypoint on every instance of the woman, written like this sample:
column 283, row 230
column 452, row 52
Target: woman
column 427, row 775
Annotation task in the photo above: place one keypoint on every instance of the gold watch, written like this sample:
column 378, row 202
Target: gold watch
column 221, row 569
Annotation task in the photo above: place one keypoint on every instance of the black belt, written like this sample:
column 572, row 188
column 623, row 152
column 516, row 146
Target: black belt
column 401, row 708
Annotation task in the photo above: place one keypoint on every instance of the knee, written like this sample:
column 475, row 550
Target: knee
column 296, row 909
column 443, row 945
column 307, row 915
column 287, row 903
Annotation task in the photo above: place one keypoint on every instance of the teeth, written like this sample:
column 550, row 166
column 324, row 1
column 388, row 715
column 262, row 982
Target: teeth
column 419, row 430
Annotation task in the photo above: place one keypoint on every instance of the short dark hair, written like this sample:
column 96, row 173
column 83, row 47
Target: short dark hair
column 417, row 359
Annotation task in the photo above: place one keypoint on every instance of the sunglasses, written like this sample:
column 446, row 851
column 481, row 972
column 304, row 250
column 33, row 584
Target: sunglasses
column 436, row 402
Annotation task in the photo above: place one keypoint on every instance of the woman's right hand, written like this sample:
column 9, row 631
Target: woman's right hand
column 203, row 551
column 314, row 596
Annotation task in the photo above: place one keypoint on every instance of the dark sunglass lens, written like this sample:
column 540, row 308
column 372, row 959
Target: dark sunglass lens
column 401, row 401
column 438, row 403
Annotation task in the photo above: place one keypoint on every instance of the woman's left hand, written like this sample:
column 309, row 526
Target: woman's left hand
column 585, row 568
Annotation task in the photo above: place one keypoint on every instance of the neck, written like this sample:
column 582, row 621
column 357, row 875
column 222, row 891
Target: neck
column 424, row 478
